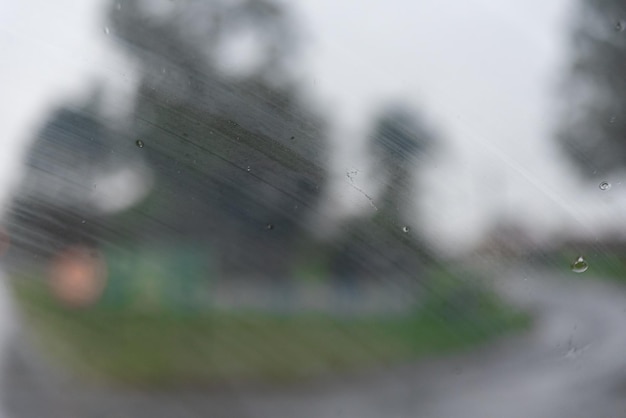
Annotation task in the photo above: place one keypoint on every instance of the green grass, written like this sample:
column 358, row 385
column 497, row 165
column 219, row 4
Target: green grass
column 170, row 349
column 602, row 265
column 611, row 266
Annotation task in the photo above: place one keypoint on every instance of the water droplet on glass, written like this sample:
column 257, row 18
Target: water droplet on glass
column 139, row 143
column 248, row 169
column 107, row 30
column 620, row 25
column 83, row 221
column 612, row 119
column 269, row 227
column 118, row 6
column 292, row 138
column 605, row 185
column 580, row 265
column 405, row 229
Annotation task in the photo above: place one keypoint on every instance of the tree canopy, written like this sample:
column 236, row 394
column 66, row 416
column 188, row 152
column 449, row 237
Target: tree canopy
column 594, row 121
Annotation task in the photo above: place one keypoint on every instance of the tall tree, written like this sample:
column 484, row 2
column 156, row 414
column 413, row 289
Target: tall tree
column 238, row 149
column 594, row 121
column 399, row 137
column 387, row 244
column 236, row 159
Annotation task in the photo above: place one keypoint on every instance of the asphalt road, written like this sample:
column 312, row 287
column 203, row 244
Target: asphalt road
column 571, row 364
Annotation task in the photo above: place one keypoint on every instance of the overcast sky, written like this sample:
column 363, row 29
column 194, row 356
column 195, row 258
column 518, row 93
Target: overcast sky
column 484, row 74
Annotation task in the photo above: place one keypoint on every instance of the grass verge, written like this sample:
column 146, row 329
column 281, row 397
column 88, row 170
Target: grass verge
column 172, row 349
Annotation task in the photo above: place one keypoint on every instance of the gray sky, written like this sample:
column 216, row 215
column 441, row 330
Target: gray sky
column 483, row 73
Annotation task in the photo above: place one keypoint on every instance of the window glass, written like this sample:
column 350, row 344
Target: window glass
column 270, row 208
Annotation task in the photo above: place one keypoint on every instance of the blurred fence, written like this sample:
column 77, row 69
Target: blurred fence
column 185, row 278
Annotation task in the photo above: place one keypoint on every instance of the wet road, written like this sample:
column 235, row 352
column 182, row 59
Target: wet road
column 571, row 364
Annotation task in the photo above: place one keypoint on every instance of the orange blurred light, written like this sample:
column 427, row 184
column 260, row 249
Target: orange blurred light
column 77, row 276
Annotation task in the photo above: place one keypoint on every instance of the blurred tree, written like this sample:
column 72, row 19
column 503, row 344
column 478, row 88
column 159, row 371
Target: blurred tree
column 398, row 139
column 55, row 204
column 237, row 158
column 236, row 161
column 594, row 121
column 388, row 244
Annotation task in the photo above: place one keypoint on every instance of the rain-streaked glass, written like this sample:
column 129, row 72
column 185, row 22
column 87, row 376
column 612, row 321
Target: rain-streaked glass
column 256, row 208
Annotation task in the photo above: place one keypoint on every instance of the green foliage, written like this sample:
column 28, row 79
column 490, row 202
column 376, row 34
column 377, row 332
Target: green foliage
column 399, row 135
column 195, row 348
column 159, row 278
column 592, row 132
column 602, row 265
column 454, row 300
column 229, row 154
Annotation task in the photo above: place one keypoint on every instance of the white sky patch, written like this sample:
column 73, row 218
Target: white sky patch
column 121, row 189
column 241, row 54
column 53, row 53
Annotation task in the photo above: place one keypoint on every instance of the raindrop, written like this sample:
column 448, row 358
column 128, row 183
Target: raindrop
column 292, row 138
column 248, row 169
column 580, row 265
column 118, row 6
column 107, row 30
column 405, row 229
column 605, row 185
column 139, row 143
column 269, row 227
column 83, row 221
column 612, row 119
column 620, row 25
